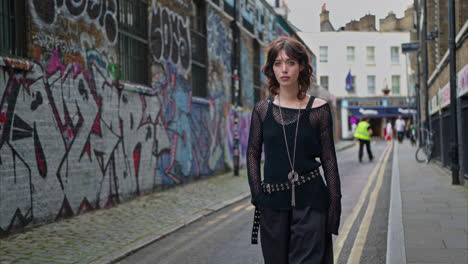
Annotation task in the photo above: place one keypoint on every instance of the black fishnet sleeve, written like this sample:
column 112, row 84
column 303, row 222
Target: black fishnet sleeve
column 330, row 168
column 254, row 151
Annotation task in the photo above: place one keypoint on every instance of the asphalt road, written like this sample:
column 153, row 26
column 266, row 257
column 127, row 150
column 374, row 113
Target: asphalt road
column 224, row 237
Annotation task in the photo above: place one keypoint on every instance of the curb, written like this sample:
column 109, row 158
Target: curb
column 346, row 147
column 396, row 252
column 125, row 251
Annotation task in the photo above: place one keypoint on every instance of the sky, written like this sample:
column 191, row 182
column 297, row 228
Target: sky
column 305, row 14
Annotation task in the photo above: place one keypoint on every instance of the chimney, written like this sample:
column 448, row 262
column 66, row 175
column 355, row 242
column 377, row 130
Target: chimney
column 324, row 17
column 367, row 23
column 325, row 24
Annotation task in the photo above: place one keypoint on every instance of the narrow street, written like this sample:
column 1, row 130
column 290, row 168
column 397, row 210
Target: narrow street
column 224, row 237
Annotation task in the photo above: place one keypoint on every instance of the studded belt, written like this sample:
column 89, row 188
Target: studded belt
column 272, row 187
column 278, row 187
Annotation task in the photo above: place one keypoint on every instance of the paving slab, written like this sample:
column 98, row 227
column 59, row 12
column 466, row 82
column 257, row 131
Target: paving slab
column 434, row 212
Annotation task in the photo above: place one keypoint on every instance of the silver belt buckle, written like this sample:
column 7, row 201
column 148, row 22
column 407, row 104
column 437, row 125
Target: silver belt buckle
column 268, row 188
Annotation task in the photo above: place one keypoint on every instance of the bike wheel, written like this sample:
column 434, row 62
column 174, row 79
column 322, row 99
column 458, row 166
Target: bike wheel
column 428, row 152
column 420, row 155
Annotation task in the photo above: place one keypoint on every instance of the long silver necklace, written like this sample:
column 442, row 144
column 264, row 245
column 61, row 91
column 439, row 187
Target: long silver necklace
column 293, row 177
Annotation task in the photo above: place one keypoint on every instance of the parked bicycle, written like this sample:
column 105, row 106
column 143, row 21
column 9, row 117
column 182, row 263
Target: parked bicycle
column 424, row 151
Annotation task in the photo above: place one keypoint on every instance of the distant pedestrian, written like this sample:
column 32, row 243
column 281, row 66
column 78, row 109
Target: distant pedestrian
column 400, row 125
column 363, row 134
column 388, row 131
column 414, row 129
column 294, row 209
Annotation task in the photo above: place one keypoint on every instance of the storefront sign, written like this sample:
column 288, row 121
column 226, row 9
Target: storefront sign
column 410, row 47
column 378, row 102
column 445, row 92
column 439, row 101
column 365, row 103
column 382, row 112
column 433, row 106
column 462, row 78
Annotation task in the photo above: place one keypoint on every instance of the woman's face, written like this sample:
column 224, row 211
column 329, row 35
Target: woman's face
column 286, row 69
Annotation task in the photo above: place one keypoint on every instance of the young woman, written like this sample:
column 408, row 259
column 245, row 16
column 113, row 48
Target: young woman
column 295, row 210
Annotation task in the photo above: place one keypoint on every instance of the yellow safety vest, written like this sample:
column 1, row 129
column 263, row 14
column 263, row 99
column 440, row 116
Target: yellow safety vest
column 362, row 131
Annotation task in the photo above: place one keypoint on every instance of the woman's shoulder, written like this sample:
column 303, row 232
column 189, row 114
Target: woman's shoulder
column 318, row 103
column 262, row 106
column 262, row 103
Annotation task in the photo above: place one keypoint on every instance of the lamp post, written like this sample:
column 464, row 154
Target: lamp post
column 453, row 93
column 235, row 88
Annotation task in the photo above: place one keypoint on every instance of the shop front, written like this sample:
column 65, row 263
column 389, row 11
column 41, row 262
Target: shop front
column 379, row 110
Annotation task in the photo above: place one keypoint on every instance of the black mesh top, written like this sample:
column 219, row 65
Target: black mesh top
column 314, row 140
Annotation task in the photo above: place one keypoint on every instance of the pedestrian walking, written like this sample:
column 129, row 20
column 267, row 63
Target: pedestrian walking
column 388, row 131
column 413, row 137
column 363, row 134
column 294, row 209
column 400, row 128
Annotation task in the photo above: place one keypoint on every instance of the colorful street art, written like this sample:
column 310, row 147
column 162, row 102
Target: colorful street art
column 75, row 138
column 100, row 13
column 246, row 76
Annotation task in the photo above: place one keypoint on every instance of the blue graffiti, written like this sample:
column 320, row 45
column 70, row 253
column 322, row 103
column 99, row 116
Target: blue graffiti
column 246, row 77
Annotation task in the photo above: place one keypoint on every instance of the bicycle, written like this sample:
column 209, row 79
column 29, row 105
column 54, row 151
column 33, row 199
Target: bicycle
column 424, row 151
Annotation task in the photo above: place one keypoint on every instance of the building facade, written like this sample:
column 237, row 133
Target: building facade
column 438, row 101
column 102, row 101
column 372, row 65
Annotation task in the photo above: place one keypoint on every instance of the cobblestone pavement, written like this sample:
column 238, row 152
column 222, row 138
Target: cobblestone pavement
column 105, row 235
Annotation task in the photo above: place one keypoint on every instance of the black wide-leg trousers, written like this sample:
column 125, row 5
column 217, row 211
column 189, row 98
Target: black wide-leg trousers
column 297, row 236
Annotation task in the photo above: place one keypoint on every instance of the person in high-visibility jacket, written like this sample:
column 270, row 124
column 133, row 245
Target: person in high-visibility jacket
column 363, row 133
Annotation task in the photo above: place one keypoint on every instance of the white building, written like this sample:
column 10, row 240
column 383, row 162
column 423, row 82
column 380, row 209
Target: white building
column 375, row 62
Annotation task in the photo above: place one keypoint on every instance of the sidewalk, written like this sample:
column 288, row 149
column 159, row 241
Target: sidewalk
column 433, row 213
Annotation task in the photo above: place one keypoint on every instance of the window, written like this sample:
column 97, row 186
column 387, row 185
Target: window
column 324, row 82
column 371, row 84
column 350, row 54
column 12, row 28
column 133, row 41
column 198, row 37
column 395, row 84
column 256, row 72
column 353, row 85
column 370, row 54
column 323, row 54
column 395, row 54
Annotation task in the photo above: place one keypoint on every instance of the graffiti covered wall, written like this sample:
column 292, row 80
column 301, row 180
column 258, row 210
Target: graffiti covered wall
column 74, row 137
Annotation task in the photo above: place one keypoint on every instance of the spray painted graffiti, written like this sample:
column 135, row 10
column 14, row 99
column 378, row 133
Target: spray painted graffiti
column 102, row 13
column 170, row 38
column 219, row 54
column 73, row 138
column 69, row 140
column 195, row 126
column 244, row 125
column 50, row 42
column 246, row 77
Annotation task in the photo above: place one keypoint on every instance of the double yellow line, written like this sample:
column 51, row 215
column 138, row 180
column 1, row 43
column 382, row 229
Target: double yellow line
column 359, row 242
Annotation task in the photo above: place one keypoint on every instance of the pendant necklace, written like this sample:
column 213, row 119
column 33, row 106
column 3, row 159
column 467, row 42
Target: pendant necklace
column 293, row 177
